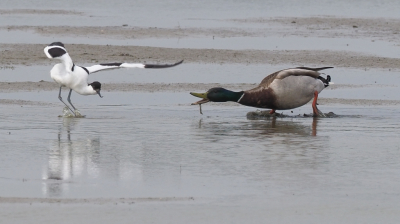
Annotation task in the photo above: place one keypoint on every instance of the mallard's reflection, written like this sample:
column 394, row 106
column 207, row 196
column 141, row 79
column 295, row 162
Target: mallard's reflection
column 259, row 128
column 289, row 145
column 314, row 126
column 294, row 128
column 69, row 156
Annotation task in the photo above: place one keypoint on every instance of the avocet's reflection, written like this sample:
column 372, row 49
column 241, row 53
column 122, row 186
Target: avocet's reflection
column 70, row 156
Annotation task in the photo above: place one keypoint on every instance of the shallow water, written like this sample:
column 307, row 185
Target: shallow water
column 173, row 151
column 173, row 13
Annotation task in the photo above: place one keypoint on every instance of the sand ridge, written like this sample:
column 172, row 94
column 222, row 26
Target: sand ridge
column 328, row 27
column 135, row 32
column 32, row 54
column 332, row 27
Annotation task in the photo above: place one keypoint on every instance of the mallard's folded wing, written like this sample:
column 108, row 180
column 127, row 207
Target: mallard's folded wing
column 299, row 71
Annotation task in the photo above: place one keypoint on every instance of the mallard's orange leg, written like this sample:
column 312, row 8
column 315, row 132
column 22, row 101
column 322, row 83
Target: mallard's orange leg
column 272, row 111
column 314, row 104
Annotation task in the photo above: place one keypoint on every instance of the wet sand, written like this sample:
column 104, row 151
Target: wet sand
column 32, row 54
column 372, row 28
column 322, row 27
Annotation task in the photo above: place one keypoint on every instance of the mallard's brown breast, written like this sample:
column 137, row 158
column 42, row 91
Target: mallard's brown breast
column 260, row 98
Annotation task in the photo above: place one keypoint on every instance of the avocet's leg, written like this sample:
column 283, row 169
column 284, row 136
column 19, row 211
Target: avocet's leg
column 314, row 104
column 272, row 111
column 60, row 98
column 69, row 99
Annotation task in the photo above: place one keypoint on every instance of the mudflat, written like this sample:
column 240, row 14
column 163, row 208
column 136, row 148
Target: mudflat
column 144, row 154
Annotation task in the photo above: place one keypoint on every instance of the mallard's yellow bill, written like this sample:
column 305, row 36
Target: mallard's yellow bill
column 200, row 95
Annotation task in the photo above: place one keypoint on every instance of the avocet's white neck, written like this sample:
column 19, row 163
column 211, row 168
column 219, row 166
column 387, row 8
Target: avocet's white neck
column 86, row 90
column 66, row 61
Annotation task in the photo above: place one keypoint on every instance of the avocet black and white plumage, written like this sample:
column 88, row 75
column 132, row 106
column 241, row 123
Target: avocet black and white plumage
column 282, row 90
column 75, row 77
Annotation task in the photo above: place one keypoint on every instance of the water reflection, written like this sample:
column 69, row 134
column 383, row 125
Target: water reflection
column 314, row 126
column 285, row 146
column 260, row 128
column 277, row 126
column 172, row 154
column 70, row 156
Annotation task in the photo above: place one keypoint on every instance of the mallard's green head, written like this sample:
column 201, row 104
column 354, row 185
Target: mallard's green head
column 217, row 94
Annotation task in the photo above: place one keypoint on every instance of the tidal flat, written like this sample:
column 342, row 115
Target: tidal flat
column 144, row 154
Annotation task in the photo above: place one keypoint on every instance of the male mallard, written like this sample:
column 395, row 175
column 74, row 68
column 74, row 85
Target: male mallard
column 282, row 90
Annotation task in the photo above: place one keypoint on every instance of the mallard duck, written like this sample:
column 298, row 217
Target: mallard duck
column 282, row 90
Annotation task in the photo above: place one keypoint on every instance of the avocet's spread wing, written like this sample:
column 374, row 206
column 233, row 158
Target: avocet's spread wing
column 100, row 67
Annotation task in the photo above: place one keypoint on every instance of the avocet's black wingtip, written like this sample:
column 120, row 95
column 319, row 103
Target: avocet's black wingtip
column 162, row 66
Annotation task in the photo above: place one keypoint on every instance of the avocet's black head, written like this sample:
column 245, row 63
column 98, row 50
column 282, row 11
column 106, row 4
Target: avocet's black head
column 96, row 87
column 55, row 50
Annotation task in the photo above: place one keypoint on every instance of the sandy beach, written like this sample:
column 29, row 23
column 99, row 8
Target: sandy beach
column 144, row 154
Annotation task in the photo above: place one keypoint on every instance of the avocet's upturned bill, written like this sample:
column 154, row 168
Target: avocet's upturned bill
column 75, row 77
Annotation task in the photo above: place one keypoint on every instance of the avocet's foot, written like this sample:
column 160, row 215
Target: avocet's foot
column 78, row 113
column 68, row 113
